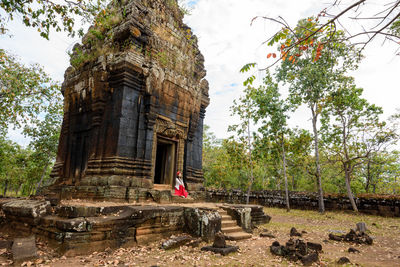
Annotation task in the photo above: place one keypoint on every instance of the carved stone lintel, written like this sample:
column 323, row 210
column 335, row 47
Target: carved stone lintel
column 170, row 129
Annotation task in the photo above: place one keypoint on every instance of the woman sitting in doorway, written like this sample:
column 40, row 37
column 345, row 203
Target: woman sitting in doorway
column 180, row 186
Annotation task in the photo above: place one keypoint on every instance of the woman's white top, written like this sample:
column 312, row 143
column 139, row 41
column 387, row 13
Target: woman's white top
column 178, row 183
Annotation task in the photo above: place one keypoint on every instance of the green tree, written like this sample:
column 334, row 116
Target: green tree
column 244, row 110
column 299, row 160
column 25, row 92
column 13, row 160
column 62, row 15
column 45, row 135
column 31, row 100
column 312, row 69
column 272, row 112
column 381, row 172
column 352, row 130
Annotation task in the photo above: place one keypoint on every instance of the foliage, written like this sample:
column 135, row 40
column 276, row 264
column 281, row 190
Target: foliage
column 384, row 21
column 313, row 68
column 354, row 132
column 25, row 169
column 25, row 91
column 46, row 15
column 179, row 5
column 272, row 113
column 244, row 109
column 314, row 61
column 30, row 100
column 395, row 28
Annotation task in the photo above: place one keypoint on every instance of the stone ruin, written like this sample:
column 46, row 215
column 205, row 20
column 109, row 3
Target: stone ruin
column 134, row 103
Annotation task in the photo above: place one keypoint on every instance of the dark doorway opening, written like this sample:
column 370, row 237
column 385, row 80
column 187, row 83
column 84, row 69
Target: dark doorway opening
column 165, row 162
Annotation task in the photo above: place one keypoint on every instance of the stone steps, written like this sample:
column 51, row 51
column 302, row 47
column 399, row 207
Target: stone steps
column 233, row 229
column 178, row 199
column 238, row 236
column 230, row 229
column 227, row 223
column 225, row 217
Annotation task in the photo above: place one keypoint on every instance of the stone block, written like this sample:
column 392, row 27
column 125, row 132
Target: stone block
column 204, row 223
column 7, row 244
column 24, row 248
column 223, row 251
column 176, row 242
column 102, row 181
column 77, row 211
column 135, row 182
column 72, row 225
column 115, row 193
column 309, row 259
column 147, row 183
column 242, row 215
column 361, row 227
column 194, row 187
column 32, row 209
column 219, row 240
column 164, row 197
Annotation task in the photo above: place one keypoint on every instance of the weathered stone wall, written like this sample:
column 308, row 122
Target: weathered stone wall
column 137, row 76
column 376, row 205
column 79, row 229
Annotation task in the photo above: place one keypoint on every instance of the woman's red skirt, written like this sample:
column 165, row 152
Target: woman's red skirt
column 181, row 192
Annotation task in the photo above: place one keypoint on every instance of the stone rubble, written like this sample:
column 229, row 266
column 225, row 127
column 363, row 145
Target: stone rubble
column 175, row 242
column 354, row 237
column 297, row 250
column 343, row 260
column 220, row 246
column 294, row 232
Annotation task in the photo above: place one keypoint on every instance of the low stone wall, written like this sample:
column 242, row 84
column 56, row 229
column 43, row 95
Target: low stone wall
column 383, row 205
column 77, row 229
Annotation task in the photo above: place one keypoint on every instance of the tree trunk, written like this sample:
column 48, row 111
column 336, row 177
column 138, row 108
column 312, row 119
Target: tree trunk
column 42, row 177
column 284, row 175
column 321, row 206
column 368, row 176
column 251, row 163
column 19, row 189
column 278, row 180
column 293, row 185
column 5, row 188
column 348, row 189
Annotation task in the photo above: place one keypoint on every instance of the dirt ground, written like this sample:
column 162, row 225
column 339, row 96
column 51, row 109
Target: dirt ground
column 385, row 250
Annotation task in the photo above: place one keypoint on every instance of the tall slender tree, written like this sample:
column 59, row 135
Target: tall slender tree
column 352, row 130
column 312, row 70
column 272, row 112
column 244, row 110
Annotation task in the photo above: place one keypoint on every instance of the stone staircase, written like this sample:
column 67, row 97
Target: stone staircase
column 230, row 229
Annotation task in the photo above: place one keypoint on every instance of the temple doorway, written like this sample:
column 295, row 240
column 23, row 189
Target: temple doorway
column 165, row 162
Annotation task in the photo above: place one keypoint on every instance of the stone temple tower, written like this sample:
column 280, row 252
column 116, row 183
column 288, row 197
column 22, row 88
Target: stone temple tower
column 134, row 103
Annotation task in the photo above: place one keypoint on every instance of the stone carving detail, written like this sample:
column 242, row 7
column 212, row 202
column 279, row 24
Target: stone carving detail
column 170, row 129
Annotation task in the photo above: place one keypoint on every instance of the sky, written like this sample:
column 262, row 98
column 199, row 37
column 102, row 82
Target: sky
column 228, row 41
